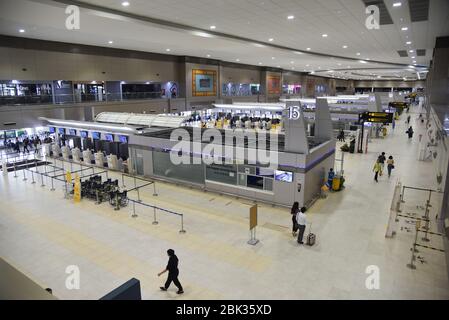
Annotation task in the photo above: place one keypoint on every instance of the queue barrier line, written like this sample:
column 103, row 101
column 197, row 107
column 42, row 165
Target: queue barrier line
column 428, row 247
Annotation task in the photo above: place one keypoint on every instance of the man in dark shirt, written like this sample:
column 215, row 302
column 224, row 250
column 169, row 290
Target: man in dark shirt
column 382, row 159
column 173, row 272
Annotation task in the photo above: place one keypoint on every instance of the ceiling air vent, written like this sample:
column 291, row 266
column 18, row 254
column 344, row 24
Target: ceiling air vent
column 421, row 52
column 419, row 10
column 9, row 123
column 385, row 17
column 402, row 53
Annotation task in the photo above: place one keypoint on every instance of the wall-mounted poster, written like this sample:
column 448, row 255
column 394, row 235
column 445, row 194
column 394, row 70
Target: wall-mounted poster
column 274, row 84
column 204, row 83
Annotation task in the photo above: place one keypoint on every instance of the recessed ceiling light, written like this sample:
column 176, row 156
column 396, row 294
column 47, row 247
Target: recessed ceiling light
column 260, row 63
column 414, row 61
column 397, row 4
column 278, row 66
column 291, row 17
column 147, row 82
column 339, row 64
column 410, row 51
column 125, row 3
column 308, row 49
column 271, row 40
column 345, row 47
column 212, row 27
column 324, row 35
column 413, row 57
column 292, row 61
column 22, row 30
column 208, row 55
column 272, row 58
column 358, row 53
column 408, row 42
column 237, row 60
column 168, row 50
column 307, row 65
column 404, row 28
column 110, row 42
column 319, row 67
column 362, row 61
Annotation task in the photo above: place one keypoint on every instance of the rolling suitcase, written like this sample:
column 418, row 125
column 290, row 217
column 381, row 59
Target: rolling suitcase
column 311, row 237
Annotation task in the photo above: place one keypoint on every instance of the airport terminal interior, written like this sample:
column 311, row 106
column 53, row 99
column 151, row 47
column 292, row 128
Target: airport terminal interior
column 224, row 150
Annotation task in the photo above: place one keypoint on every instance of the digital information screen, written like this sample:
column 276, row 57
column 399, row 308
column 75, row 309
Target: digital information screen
column 284, row 176
column 96, row 135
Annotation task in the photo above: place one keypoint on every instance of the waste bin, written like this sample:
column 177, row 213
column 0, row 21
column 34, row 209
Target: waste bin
column 336, row 182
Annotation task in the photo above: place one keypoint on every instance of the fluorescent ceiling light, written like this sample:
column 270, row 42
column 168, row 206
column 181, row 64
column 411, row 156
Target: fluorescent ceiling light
column 404, row 28
column 362, row 61
column 213, row 27
column 22, row 30
column 408, row 42
column 358, row 53
column 413, row 57
column 237, row 60
column 324, row 35
column 111, row 42
column 272, row 58
column 271, row 40
column 291, row 17
column 345, row 47
column 208, row 56
column 125, row 3
column 397, row 4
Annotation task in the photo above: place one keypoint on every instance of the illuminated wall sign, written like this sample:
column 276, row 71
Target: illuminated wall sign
column 376, row 117
column 294, row 113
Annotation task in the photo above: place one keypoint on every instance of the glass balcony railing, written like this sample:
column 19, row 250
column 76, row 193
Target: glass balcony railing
column 6, row 100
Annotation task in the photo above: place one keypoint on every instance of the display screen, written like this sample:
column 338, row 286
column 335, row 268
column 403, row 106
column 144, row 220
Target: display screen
column 21, row 133
column 84, row 134
column 254, row 182
column 72, row 132
column 61, row 130
column 96, row 135
column 52, row 129
column 123, row 139
column 10, row 134
column 284, row 176
column 109, row 137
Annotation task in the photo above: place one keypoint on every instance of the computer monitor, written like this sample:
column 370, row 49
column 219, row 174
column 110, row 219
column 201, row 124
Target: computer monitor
column 72, row 132
column 52, row 129
column 109, row 137
column 84, row 134
column 96, row 135
column 61, row 130
column 123, row 139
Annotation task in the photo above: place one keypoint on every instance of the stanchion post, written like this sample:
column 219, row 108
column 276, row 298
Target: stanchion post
column 42, row 180
column 426, row 227
column 154, row 216
column 66, row 191
column 32, row 177
column 24, row 175
column 15, row 172
column 96, row 195
column 411, row 265
column 134, row 210
column 138, row 195
column 154, row 189
column 52, row 184
column 117, row 205
column 35, row 165
column 123, row 181
column 182, row 224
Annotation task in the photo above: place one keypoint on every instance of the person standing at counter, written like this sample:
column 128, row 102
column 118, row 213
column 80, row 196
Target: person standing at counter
column 173, row 272
column 301, row 221
column 294, row 211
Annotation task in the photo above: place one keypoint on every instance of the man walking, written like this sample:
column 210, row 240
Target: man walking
column 301, row 221
column 173, row 272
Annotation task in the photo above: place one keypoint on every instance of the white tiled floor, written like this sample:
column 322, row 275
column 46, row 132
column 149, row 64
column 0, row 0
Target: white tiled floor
column 41, row 233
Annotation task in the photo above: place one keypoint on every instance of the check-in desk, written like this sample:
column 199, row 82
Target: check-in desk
column 56, row 150
column 76, row 155
column 66, row 153
column 87, row 157
column 99, row 159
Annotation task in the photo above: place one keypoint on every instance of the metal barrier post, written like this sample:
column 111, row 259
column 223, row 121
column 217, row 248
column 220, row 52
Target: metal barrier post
column 42, row 180
column 35, row 166
column 98, row 199
column 52, row 184
column 154, row 189
column 411, row 265
column 71, row 166
column 134, row 210
column 135, row 184
column 154, row 216
column 45, row 167
column 182, row 224
column 138, row 196
column 15, row 173
column 66, row 191
column 426, row 227
column 123, row 181
column 117, row 205
column 24, row 175
column 32, row 177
